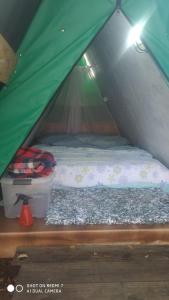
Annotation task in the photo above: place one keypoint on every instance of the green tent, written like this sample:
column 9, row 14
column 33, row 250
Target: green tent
column 58, row 36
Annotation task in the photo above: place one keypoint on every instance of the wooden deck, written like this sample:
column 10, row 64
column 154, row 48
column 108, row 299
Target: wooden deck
column 96, row 272
column 13, row 236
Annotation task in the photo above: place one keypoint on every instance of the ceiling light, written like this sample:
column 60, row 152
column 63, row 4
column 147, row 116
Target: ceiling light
column 134, row 36
column 91, row 72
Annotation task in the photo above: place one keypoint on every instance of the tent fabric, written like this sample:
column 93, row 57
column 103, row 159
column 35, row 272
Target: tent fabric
column 58, row 35
column 154, row 14
column 79, row 106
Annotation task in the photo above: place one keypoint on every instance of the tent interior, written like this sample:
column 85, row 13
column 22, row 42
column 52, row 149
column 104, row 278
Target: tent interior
column 107, row 128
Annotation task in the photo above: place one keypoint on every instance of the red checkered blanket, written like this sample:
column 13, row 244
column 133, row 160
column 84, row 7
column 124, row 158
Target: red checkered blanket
column 31, row 162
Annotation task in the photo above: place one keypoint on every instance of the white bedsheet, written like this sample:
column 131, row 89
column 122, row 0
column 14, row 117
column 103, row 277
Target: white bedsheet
column 123, row 166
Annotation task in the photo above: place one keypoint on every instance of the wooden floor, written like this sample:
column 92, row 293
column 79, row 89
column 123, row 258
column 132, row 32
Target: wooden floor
column 12, row 235
column 8, row 271
column 95, row 272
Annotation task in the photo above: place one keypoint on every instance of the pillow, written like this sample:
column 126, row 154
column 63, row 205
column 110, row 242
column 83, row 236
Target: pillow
column 103, row 141
column 59, row 140
column 84, row 140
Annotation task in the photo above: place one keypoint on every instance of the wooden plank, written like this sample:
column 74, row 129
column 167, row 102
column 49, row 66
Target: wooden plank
column 7, row 273
column 5, row 296
column 83, row 271
column 97, row 272
column 12, row 240
column 107, row 291
column 81, row 291
column 146, row 291
column 94, row 253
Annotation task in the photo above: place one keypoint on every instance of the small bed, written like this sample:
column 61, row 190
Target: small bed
column 98, row 160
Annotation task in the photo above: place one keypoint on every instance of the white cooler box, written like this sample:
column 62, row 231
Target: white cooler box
column 38, row 188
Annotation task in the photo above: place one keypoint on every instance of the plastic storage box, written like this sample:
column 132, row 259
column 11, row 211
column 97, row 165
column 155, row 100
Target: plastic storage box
column 39, row 189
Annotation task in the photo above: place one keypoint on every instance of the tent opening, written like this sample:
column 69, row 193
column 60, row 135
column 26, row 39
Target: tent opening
column 79, row 106
column 108, row 167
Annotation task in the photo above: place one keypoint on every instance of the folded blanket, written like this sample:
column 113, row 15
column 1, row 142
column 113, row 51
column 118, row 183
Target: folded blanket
column 31, row 162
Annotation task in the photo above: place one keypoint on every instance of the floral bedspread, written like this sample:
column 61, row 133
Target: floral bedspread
column 122, row 166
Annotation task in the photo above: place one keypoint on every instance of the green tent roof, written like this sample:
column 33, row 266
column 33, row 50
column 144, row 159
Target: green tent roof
column 56, row 39
column 58, row 35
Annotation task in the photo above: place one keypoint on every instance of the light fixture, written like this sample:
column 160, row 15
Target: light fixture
column 91, row 72
column 134, row 37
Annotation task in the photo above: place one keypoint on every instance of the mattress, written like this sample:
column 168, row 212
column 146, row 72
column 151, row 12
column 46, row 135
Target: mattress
column 118, row 167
